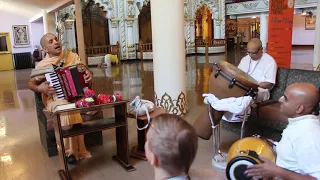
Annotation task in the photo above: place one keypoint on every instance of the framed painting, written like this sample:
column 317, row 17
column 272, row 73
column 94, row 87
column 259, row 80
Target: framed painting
column 21, row 35
column 311, row 22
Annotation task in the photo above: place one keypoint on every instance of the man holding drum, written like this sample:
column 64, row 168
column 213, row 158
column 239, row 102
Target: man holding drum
column 298, row 152
column 261, row 67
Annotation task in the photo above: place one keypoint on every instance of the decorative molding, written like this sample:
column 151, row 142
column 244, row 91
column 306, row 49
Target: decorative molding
column 174, row 106
column 223, row 23
column 123, row 30
column 263, row 6
column 107, row 6
column 213, row 6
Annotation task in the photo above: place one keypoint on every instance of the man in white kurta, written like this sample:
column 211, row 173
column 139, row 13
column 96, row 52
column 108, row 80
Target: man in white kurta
column 298, row 152
column 260, row 66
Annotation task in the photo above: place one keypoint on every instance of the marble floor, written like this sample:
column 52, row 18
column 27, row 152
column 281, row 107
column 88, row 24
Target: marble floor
column 22, row 156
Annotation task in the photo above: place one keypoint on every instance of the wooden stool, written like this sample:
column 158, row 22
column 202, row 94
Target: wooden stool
column 138, row 151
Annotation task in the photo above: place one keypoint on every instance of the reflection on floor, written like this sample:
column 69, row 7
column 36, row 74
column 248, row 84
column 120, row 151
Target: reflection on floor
column 22, row 156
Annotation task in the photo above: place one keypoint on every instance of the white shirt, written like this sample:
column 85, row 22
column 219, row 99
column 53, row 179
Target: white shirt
column 299, row 148
column 262, row 70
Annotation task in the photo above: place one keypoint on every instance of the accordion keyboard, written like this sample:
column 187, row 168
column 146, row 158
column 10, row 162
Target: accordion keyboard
column 53, row 79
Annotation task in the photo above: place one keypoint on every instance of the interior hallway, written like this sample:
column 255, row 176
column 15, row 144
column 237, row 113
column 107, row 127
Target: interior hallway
column 22, row 156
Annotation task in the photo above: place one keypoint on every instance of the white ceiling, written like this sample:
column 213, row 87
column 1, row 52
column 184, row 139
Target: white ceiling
column 28, row 8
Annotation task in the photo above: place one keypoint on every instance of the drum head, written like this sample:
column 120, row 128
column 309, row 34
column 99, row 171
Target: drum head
column 237, row 166
column 236, row 72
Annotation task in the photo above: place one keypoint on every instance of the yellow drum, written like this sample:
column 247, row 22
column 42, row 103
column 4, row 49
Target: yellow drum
column 245, row 152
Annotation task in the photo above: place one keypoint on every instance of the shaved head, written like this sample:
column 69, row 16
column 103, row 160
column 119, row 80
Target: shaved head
column 51, row 44
column 254, row 49
column 299, row 99
column 255, row 43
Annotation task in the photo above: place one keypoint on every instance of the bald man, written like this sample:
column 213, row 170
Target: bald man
column 298, row 152
column 75, row 147
column 261, row 67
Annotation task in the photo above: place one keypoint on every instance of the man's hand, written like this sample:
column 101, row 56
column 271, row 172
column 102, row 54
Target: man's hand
column 88, row 77
column 45, row 88
column 266, row 170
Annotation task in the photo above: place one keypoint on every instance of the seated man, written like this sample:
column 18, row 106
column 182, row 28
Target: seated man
column 261, row 67
column 75, row 147
column 298, row 154
column 171, row 147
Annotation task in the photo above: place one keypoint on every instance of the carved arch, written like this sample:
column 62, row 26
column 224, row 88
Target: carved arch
column 213, row 6
column 107, row 6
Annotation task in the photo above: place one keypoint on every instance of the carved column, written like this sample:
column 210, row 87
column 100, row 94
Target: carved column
column 263, row 30
column 192, row 36
column 130, row 39
column 217, row 28
column 70, row 37
column 316, row 57
column 222, row 10
column 169, row 55
column 131, row 13
column 114, row 31
column 79, row 26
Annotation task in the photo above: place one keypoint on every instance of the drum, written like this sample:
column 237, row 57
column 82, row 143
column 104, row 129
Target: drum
column 226, row 80
column 246, row 152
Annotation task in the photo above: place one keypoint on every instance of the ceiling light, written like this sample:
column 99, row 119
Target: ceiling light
column 254, row 17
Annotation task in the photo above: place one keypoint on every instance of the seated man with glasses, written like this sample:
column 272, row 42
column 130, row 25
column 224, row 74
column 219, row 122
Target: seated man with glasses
column 260, row 66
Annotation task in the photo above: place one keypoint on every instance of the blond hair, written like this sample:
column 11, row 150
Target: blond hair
column 174, row 142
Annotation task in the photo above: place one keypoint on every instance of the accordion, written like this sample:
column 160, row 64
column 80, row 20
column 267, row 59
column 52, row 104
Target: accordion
column 68, row 81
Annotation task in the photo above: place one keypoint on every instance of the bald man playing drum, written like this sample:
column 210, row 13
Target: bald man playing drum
column 261, row 67
column 298, row 152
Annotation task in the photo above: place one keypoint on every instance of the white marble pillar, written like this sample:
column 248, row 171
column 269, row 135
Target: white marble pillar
column 169, row 55
column 45, row 21
column 79, row 26
column 316, row 57
column 69, row 36
column 49, row 22
column 113, row 32
column 130, row 39
column 263, row 30
column 217, row 29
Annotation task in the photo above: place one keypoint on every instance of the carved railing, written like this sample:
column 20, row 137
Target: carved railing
column 210, row 42
column 93, row 51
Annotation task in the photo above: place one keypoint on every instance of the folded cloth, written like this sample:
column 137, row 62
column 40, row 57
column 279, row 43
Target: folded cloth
column 234, row 107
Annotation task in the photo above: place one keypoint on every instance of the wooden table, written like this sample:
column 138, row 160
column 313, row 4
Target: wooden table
column 119, row 122
column 138, row 151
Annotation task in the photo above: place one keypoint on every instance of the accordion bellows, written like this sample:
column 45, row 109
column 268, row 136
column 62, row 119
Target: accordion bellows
column 68, row 81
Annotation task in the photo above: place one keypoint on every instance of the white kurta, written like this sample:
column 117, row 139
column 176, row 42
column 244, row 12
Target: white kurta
column 262, row 70
column 299, row 148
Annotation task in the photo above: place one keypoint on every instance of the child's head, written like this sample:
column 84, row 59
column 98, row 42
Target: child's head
column 172, row 144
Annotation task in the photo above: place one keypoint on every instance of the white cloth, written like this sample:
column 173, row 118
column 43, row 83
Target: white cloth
column 107, row 60
column 178, row 178
column 230, row 105
column 263, row 70
column 299, row 148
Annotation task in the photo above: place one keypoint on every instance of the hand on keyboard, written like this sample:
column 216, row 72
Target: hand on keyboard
column 88, row 77
column 45, row 88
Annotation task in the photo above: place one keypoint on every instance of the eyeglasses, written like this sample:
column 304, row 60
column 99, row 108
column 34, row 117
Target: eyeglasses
column 254, row 53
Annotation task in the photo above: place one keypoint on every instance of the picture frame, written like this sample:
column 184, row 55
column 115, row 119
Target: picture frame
column 21, row 35
column 310, row 22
